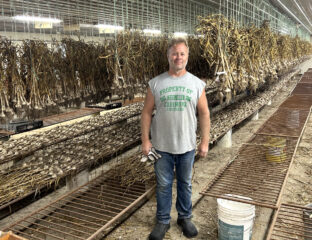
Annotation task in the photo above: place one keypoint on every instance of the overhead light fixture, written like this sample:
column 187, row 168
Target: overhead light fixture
column 25, row 18
column 86, row 25
column 151, row 31
column 284, row 31
column 180, row 34
column 111, row 27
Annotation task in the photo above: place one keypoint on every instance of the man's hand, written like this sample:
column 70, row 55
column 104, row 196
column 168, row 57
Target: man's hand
column 146, row 147
column 203, row 149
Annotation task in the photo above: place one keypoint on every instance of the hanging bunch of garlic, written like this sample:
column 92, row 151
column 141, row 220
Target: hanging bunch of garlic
column 244, row 57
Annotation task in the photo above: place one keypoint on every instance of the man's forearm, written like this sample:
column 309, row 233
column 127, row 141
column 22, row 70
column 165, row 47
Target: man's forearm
column 204, row 122
column 145, row 126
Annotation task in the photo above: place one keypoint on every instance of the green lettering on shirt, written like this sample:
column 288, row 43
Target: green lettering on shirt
column 171, row 89
column 175, row 97
column 177, row 100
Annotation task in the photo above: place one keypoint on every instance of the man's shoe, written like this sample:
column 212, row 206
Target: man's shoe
column 188, row 228
column 159, row 231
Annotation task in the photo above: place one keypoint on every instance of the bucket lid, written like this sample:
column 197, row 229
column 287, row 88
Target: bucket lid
column 236, row 206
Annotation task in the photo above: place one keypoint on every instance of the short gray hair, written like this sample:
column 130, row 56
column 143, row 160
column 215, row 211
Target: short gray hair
column 175, row 41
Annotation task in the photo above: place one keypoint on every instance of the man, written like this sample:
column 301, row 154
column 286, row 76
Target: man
column 176, row 94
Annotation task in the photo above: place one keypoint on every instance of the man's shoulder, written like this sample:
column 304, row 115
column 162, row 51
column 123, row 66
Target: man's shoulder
column 160, row 77
column 193, row 77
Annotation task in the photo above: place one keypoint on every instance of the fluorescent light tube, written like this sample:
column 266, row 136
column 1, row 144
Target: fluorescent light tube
column 105, row 26
column 24, row 18
column 180, row 34
column 152, row 31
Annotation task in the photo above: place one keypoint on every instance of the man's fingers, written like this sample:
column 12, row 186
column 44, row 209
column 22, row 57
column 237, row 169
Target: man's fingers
column 146, row 149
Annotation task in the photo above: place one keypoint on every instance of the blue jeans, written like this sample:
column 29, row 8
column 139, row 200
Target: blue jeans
column 164, row 169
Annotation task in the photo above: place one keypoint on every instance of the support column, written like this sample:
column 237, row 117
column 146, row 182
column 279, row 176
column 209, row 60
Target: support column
column 73, row 182
column 255, row 116
column 226, row 140
column 83, row 104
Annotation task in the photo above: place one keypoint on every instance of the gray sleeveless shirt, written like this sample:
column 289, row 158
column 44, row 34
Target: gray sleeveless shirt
column 174, row 125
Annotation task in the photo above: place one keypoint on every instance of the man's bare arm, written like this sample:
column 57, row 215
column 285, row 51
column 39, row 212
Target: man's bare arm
column 204, row 122
column 146, row 119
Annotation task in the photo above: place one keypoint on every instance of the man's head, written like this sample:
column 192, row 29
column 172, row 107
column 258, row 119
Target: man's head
column 177, row 54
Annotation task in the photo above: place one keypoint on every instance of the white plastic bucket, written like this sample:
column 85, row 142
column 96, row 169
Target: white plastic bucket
column 235, row 219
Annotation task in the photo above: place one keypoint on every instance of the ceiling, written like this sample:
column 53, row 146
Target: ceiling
column 298, row 10
column 138, row 15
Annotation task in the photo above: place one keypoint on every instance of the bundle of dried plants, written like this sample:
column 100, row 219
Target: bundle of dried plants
column 245, row 57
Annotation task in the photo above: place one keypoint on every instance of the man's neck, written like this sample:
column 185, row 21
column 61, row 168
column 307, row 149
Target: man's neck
column 179, row 73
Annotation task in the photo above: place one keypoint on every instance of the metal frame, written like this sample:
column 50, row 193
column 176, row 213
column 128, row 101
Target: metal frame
column 97, row 189
column 294, row 223
column 168, row 16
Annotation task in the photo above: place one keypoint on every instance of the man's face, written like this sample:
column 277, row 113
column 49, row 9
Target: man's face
column 177, row 57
